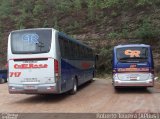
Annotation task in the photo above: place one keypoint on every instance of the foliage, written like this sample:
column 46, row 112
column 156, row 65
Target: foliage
column 64, row 5
column 5, row 8
column 105, row 57
column 87, row 16
column 113, row 35
column 109, row 3
column 146, row 30
column 55, row 25
column 144, row 2
column 45, row 24
column 125, row 32
column 77, row 5
column 91, row 8
column 39, row 7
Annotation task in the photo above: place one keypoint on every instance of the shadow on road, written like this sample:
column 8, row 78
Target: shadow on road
column 85, row 85
column 133, row 90
column 51, row 98
column 46, row 98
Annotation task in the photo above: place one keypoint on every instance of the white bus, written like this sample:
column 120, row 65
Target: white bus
column 46, row 61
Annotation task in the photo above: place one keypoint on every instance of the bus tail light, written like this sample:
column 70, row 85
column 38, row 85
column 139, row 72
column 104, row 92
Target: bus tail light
column 152, row 71
column 56, row 68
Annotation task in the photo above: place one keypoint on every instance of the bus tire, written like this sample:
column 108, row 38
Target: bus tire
column 93, row 74
column 74, row 88
column 2, row 80
column 116, row 88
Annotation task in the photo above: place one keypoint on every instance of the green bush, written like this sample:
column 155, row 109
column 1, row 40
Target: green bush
column 108, row 3
column 5, row 8
column 77, row 5
column 39, row 7
column 144, row 2
column 146, row 30
column 105, row 56
column 113, row 35
column 45, row 24
column 125, row 31
column 55, row 23
column 64, row 5
column 91, row 9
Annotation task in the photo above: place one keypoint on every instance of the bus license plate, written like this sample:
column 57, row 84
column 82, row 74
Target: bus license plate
column 30, row 87
column 133, row 78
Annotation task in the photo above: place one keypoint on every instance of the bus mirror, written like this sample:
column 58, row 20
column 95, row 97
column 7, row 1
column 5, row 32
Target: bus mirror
column 97, row 57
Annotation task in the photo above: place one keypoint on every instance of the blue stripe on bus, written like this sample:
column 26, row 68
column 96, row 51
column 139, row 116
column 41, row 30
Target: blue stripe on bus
column 68, row 72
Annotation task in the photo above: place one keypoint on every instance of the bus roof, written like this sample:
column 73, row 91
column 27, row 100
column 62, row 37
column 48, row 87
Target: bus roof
column 62, row 34
column 30, row 29
column 132, row 45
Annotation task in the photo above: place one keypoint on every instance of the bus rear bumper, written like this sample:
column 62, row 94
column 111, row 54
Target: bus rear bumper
column 33, row 89
column 147, row 83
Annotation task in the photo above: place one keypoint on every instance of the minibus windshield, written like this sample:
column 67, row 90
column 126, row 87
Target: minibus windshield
column 132, row 54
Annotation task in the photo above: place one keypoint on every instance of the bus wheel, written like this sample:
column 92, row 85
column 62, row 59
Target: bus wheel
column 2, row 80
column 74, row 88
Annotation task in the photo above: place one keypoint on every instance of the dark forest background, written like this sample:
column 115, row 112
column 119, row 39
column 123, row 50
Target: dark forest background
column 101, row 24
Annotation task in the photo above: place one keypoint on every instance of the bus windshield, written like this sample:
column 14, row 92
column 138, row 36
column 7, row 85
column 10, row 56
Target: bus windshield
column 132, row 54
column 31, row 41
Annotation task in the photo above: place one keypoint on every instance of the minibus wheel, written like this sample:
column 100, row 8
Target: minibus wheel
column 116, row 88
column 75, row 87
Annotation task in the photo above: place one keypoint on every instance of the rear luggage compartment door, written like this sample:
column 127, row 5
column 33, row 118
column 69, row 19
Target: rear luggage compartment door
column 31, row 71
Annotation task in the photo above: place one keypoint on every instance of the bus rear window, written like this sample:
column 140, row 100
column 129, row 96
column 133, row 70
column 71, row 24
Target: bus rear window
column 31, row 41
column 132, row 54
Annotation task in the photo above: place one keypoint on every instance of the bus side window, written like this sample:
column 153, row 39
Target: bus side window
column 68, row 50
column 72, row 49
column 79, row 52
column 76, row 51
column 86, row 57
column 61, row 42
column 65, row 48
column 83, row 52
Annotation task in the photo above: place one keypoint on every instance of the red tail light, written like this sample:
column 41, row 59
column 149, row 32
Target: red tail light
column 56, row 67
column 6, row 66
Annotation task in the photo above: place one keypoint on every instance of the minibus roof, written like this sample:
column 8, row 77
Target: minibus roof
column 132, row 45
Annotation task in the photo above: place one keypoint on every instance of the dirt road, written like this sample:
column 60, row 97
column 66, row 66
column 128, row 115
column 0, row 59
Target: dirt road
column 98, row 96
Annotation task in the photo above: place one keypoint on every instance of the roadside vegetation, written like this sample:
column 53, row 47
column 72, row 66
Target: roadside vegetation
column 99, row 23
